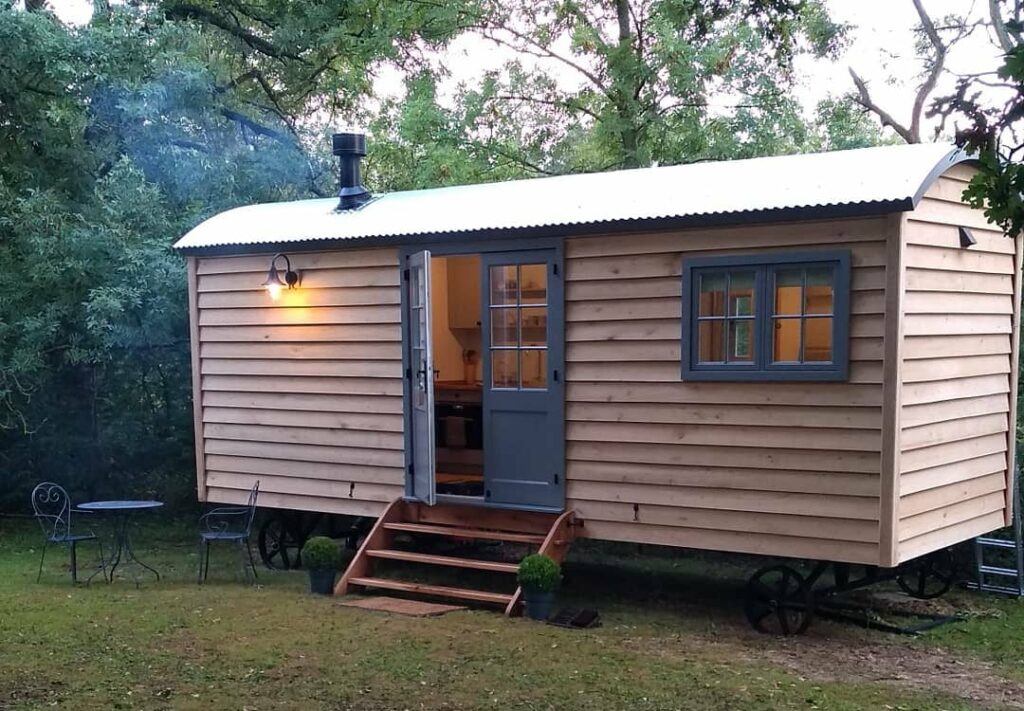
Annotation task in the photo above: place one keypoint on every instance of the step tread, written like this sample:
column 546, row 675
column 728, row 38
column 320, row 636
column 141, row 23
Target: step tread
column 456, row 532
column 446, row 560
column 435, row 590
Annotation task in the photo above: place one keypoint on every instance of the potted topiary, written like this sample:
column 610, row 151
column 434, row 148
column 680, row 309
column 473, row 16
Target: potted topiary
column 322, row 558
column 539, row 577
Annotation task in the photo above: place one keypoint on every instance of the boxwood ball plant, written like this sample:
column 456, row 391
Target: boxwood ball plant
column 321, row 553
column 540, row 573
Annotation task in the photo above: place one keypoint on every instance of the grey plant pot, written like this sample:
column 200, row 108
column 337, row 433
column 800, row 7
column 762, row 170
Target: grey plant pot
column 321, row 581
column 538, row 604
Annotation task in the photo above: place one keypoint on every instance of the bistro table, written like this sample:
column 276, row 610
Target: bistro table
column 122, row 512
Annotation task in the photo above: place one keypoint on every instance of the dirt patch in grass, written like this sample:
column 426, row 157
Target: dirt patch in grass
column 913, row 667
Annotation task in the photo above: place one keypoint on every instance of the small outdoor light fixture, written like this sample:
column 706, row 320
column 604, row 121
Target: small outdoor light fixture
column 967, row 238
column 274, row 282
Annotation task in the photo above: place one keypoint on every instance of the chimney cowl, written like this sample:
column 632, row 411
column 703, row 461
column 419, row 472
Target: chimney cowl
column 350, row 149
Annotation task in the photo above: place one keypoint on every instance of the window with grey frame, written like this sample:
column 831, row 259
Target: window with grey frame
column 782, row 316
column 518, row 304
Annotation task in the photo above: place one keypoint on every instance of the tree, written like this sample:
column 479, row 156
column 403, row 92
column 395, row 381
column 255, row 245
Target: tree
column 993, row 133
column 632, row 82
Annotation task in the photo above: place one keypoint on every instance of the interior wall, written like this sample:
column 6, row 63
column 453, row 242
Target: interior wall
column 447, row 349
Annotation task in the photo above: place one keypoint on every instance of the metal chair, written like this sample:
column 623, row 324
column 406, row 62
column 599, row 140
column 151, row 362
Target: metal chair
column 53, row 510
column 231, row 524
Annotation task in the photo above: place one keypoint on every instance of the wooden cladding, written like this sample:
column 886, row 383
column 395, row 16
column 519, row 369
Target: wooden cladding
column 303, row 393
column 775, row 468
column 959, row 371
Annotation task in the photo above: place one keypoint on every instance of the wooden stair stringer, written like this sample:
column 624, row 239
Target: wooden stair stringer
column 555, row 546
column 379, row 537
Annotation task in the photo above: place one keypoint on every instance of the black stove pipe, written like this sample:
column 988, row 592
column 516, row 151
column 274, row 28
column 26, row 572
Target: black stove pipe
column 350, row 149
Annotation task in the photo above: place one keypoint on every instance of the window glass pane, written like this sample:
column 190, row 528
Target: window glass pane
column 741, row 344
column 504, row 285
column 504, row 328
column 818, row 296
column 710, row 341
column 741, row 293
column 534, row 278
column 505, row 369
column 818, row 340
column 417, row 329
column 535, row 326
column 786, row 346
column 535, row 369
column 712, row 294
column 787, row 291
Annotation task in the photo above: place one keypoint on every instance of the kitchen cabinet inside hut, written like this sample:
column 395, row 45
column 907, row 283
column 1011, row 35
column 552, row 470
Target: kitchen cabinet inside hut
column 458, row 390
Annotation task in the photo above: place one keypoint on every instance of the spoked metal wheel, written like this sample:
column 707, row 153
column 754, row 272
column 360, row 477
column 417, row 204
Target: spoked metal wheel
column 778, row 601
column 928, row 577
column 279, row 548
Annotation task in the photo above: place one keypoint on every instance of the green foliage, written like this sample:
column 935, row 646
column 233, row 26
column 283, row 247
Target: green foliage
column 540, row 573
column 321, row 553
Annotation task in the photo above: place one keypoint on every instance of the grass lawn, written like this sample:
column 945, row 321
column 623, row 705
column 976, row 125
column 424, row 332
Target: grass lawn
column 673, row 638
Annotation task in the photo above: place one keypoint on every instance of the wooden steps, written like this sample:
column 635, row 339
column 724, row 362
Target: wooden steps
column 434, row 590
column 493, row 566
column 457, row 532
column 550, row 534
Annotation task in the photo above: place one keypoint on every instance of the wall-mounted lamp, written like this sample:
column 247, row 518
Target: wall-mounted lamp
column 274, row 282
column 967, row 238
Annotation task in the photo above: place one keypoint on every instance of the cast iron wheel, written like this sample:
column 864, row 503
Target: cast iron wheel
column 278, row 548
column 778, row 601
column 928, row 577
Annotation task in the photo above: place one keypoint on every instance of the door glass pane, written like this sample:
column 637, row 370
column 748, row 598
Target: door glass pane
column 787, row 291
column 504, row 328
column 741, row 293
column 534, row 288
column 818, row 295
column 535, row 369
column 505, row 369
column 415, row 288
column 535, row 326
column 786, row 346
column 712, row 295
column 818, row 340
column 504, row 285
column 741, row 348
column 710, row 341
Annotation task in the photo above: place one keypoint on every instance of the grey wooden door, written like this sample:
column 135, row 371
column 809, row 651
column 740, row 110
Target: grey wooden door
column 523, row 389
column 421, row 373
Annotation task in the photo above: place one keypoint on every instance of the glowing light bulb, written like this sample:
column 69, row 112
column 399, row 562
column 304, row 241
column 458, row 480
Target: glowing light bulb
column 274, row 290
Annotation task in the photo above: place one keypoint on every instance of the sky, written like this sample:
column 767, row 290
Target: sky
column 881, row 50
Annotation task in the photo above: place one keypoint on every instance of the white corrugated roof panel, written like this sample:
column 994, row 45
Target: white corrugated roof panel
column 888, row 178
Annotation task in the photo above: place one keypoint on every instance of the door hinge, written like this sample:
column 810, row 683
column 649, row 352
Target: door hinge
column 405, row 274
column 554, row 269
column 556, row 478
column 408, row 373
column 412, row 470
column 487, row 494
column 554, row 375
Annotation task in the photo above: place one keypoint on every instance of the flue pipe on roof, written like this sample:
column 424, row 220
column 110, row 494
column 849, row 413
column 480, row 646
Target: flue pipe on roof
column 350, row 149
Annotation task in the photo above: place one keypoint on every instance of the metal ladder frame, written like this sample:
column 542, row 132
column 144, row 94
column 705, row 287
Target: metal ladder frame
column 984, row 572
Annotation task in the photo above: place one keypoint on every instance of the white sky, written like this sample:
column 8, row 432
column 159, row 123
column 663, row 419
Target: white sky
column 881, row 51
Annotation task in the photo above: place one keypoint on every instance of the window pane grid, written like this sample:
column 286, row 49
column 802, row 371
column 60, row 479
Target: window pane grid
column 519, row 317
column 729, row 332
column 790, row 340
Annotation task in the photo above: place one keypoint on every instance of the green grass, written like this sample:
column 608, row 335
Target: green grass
column 672, row 638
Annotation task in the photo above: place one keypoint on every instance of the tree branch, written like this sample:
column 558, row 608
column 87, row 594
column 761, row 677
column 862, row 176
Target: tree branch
column 864, row 99
column 188, row 11
column 925, row 90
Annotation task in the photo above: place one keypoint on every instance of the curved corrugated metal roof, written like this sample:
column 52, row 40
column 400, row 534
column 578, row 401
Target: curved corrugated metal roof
column 816, row 185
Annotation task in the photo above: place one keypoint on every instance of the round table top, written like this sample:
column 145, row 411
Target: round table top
column 128, row 505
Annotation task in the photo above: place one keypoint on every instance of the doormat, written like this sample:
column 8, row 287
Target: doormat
column 398, row 606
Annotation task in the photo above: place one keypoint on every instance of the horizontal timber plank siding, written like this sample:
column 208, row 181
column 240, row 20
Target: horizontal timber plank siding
column 788, row 469
column 303, row 394
column 959, row 369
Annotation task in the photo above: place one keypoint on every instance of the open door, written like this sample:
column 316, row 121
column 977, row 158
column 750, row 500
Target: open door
column 421, row 375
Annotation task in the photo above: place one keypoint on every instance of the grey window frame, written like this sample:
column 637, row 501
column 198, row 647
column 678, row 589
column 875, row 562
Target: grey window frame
column 762, row 368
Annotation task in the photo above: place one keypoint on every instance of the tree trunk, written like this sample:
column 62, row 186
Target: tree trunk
column 625, row 88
